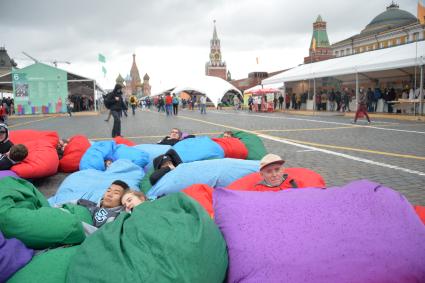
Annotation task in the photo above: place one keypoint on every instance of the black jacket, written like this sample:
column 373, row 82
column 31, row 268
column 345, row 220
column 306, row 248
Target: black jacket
column 117, row 104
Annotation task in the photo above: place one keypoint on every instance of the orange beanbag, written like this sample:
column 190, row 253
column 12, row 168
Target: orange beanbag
column 232, row 147
column 73, row 153
column 42, row 160
column 203, row 195
column 23, row 136
column 121, row 140
column 420, row 211
column 303, row 177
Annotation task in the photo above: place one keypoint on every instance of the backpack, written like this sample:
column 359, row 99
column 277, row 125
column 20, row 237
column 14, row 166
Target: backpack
column 108, row 100
column 175, row 100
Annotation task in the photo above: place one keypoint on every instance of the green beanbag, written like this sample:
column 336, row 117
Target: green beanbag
column 253, row 143
column 171, row 239
column 26, row 215
column 145, row 184
column 47, row 267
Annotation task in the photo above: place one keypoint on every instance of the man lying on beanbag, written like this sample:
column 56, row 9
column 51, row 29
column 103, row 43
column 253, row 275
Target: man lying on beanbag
column 107, row 209
column 163, row 164
column 272, row 172
column 16, row 154
column 175, row 136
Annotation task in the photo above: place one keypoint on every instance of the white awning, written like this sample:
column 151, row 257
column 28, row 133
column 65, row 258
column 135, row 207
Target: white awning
column 398, row 57
column 214, row 88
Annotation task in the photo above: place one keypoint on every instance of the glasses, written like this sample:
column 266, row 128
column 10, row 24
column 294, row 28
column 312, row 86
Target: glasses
column 173, row 132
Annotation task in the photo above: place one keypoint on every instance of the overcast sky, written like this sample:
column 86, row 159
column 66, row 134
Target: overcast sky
column 171, row 37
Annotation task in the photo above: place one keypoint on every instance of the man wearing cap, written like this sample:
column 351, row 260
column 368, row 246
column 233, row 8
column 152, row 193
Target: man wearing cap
column 163, row 164
column 272, row 172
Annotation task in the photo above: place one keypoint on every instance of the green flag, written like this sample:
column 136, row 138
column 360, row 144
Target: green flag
column 104, row 71
column 102, row 58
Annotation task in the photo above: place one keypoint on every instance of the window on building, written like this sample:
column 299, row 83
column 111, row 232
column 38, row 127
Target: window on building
column 381, row 45
column 398, row 41
column 361, row 49
column 390, row 42
column 342, row 52
column 416, row 36
column 336, row 53
column 347, row 51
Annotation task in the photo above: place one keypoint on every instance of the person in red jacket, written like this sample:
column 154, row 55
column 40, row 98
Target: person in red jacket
column 273, row 176
column 169, row 105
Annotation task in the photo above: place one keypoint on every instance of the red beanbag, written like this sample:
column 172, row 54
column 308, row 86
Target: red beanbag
column 73, row 153
column 302, row 176
column 232, row 147
column 203, row 195
column 23, row 136
column 121, row 140
column 420, row 211
column 42, row 160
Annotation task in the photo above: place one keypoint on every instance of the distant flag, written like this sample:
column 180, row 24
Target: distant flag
column 257, row 60
column 104, row 71
column 313, row 44
column 101, row 58
column 421, row 11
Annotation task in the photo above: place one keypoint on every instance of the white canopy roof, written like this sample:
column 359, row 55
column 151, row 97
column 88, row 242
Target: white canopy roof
column 397, row 57
column 214, row 88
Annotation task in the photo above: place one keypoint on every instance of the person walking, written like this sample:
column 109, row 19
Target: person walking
column 250, row 103
column 133, row 103
column 116, row 103
column 203, row 103
column 362, row 107
column 236, row 102
column 69, row 106
column 168, row 104
column 280, row 102
column 176, row 103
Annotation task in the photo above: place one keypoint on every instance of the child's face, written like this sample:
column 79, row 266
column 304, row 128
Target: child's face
column 130, row 201
column 108, row 163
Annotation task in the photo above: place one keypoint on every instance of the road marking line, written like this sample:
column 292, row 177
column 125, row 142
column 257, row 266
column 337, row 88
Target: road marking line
column 29, row 122
column 306, row 150
column 307, row 129
column 327, row 122
column 343, row 155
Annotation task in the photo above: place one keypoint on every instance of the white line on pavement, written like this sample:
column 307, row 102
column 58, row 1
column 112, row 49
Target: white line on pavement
column 306, row 150
column 359, row 159
column 325, row 122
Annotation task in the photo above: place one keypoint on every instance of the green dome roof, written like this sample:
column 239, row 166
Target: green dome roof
column 393, row 17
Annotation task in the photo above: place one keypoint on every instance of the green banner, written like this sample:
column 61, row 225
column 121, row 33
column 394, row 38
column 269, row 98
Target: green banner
column 101, row 58
column 40, row 88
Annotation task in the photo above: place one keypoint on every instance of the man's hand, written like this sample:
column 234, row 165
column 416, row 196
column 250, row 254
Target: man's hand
column 117, row 98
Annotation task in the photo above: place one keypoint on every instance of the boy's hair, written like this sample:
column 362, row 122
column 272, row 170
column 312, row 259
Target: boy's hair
column 230, row 133
column 122, row 184
column 18, row 152
column 138, row 194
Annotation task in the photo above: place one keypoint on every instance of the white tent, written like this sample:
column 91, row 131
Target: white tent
column 394, row 58
column 214, row 88
column 257, row 87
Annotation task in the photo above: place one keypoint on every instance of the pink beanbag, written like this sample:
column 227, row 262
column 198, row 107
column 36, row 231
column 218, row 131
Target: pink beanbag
column 302, row 176
column 42, row 160
column 73, row 153
column 361, row 232
column 232, row 147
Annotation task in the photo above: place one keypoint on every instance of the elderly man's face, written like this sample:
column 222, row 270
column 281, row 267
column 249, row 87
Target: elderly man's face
column 112, row 197
column 175, row 134
column 273, row 174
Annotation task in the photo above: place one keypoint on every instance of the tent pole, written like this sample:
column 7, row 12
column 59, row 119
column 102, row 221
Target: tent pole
column 421, row 92
column 94, row 96
column 357, row 91
column 314, row 94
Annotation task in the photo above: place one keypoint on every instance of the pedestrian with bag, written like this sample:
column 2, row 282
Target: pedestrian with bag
column 115, row 103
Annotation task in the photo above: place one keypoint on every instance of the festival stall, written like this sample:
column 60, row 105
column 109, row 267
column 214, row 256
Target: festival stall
column 263, row 98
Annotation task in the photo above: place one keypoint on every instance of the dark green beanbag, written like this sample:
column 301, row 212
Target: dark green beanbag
column 47, row 267
column 171, row 239
column 145, row 184
column 26, row 215
column 253, row 143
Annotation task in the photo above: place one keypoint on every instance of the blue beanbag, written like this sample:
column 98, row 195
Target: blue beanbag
column 199, row 148
column 215, row 173
column 153, row 151
column 95, row 156
column 91, row 184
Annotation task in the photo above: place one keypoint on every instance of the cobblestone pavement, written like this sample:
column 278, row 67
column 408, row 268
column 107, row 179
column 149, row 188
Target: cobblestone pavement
column 390, row 152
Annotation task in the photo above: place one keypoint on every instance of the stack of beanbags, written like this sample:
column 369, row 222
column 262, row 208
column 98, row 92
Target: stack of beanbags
column 42, row 160
column 361, row 232
column 253, row 146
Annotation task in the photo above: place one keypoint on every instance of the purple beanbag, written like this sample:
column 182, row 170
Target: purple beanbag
column 361, row 232
column 7, row 173
column 13, row 256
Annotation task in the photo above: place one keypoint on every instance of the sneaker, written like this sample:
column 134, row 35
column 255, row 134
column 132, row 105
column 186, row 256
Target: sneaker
column 369, row 122
column 353, row 122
